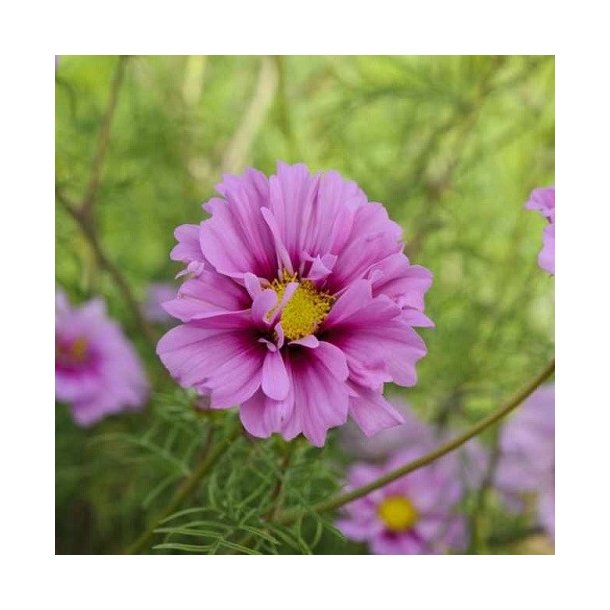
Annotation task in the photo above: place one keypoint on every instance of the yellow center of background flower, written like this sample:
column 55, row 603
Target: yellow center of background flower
column 78, row 349
column 398, row 513
column 305, row 310
column 73, row 353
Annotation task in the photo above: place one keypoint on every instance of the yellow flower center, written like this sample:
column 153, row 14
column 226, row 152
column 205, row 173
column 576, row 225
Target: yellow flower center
column 398, row 513
column 305, row 310
column 74, row 353
column 78, row 349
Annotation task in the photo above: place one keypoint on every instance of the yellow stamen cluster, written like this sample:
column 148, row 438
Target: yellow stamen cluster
column 74, row 353
column 398, row 513
column 305, row 310
column 78, row 349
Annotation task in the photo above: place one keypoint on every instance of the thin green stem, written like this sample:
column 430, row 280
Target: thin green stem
column 486, row 422
column 277, row 495
column 185, row 490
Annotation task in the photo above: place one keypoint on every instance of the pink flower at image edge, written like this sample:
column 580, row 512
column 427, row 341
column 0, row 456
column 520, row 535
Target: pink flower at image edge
column 527, row 456
column 543, row 201
column 97, row 370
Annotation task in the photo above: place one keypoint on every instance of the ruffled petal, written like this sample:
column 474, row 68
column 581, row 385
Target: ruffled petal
column 218, row 355
column 372, row 335
column 187, row 249
column 275, row 383
column 404, row 283
column 262, row 304
column 208, row 295
column 374, row 237
column 236, row 239
column 293, row 193
column 372, row 412
column 262, row 416
column 320, row 394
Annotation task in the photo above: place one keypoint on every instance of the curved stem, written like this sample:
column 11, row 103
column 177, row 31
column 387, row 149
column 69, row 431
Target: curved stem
column 83, row 213
column 85, row 222
column 486, row 422
column 104, row 135
column 183, row 492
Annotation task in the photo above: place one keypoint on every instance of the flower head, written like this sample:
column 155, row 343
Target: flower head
column 97, row 371
column 413, row 515
column 543, row 200
column 300, row 305
column 527, row 456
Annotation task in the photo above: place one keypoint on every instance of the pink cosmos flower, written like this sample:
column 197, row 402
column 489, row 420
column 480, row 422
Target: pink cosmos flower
column 414, row 515
column 300, row 305
column 97, row 371
column 543, row 200
column 158, row 293
column 527, row 456
column 469, row 463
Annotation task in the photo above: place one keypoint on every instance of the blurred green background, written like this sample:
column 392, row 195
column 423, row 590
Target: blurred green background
column 451, row 145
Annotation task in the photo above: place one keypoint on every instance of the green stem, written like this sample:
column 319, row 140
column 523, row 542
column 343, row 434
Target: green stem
column 184, row 491
column 486, row 422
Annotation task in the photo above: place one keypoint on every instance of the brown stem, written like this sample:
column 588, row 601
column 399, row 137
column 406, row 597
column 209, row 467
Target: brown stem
column 82, row 212
column 85, row 222
column 104, row 137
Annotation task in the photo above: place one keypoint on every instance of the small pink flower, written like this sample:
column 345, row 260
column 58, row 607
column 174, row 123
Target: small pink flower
column 543, row 200
column 97, row 371
column 300, row 305
column 414, row 515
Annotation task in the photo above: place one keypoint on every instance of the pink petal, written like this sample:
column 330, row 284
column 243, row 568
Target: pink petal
column 275, row 378
column 210, row 294
column 219, row 354
column 236, row 239
column 263, row 303
column 373, row 332
column 372, row 412
column 321, row 400
column 187, row 249
column 374, row 237
column 404, row 283
column 292, row 193
column 310, row 341
column 262, row 416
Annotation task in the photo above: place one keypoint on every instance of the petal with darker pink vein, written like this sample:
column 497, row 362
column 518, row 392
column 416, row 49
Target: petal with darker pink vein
column 372, row 412
column 321, row 399
column 209, row 294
